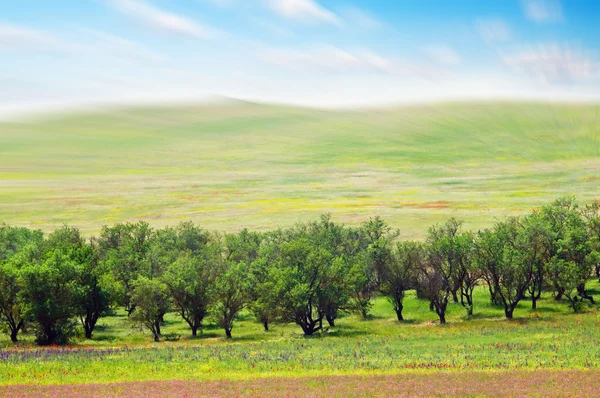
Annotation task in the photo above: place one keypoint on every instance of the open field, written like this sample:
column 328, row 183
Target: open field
column 544, row 383
column 545, row 342
column 240, row 165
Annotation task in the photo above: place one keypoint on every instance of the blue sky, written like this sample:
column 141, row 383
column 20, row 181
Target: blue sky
column 310, row 52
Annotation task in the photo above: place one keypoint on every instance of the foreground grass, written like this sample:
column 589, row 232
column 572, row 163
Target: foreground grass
column 550, row 338
column 244, row 165
column 544, row 383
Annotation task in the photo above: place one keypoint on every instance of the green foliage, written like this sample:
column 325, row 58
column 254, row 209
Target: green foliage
column 18, row 247
column 190, row 280
column 49, row 295
column 152, row 301
column 399, row 272
column 314, row 272
column 231, row 293
column 498, row 253
column 124, row 250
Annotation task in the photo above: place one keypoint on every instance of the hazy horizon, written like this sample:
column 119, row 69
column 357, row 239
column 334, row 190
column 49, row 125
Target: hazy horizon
column 318, row 53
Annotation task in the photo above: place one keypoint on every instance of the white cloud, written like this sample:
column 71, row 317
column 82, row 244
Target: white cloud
column 326, row 58
column 330, row 59
column 22, row 38
column 543, row 11
column 443, row 55
column 162, row 20
column 554, row 63
column 304, row 10
column 357, row 17
column 493, row 30
column 124, row 48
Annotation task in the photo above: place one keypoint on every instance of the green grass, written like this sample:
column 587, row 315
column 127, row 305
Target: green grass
column 241, row 165
column 549, row 338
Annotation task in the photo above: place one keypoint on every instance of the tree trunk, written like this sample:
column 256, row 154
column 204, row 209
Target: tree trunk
column 533, row 302
column 310, row 327
column 399, row 309
column 13, row 335
column 14, row 329
column 228, row 333
column 129, row 308
column 157, row 327
column 442, row 316
column 330, row 320
column 584, row 295
column 194, row 330
column 440, row 309
column 508, row 311
column 455, row 296
column 559, row 293
column 266, row 325
column 364, row 314
column 156, row 337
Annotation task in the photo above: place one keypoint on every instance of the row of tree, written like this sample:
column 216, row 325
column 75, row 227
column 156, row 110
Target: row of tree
column 307, row 274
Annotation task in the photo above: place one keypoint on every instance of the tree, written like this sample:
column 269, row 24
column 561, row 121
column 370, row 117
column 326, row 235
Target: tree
column 571, row 242
column 499, row 254
column 96, row 288
column 231, row 294
column 332, row 238
column 15, row 239
column 246, row 247
column 533, row 250
column 567, row 275
column 124, row 250
column 263, row 296
column 398, row 272
column 18, row 247
column 305, row 278
column 10, row 305
column 363, row 281
column 452, row 251
column 190, row 281
column 49, row 293
column 152, row 301
column 243, row 247
column 434, row 282
column 591, row 215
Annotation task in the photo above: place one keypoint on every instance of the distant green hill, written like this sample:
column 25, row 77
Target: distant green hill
column 238, row 164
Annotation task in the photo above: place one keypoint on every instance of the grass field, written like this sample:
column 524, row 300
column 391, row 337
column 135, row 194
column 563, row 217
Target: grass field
column 536, row 343
column 239, row 164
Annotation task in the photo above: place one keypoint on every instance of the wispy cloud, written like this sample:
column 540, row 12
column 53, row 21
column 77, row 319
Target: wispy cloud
column 21, row 38
column 326, row 58
column 443, row 55
column 124, row 48
column 493, row 30
column 304, row 11
column 358, row 17
column 554, row 63
column 162, row 20
column 331, row 59
column 543, row 11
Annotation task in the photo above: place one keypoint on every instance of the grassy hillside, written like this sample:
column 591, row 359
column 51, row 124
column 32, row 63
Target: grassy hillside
column 238, row 164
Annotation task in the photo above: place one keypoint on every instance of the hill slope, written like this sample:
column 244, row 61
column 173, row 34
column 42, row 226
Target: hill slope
column 233, row 165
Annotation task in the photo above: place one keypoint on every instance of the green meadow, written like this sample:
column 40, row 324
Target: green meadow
column 546, row 339
column 234, row 165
